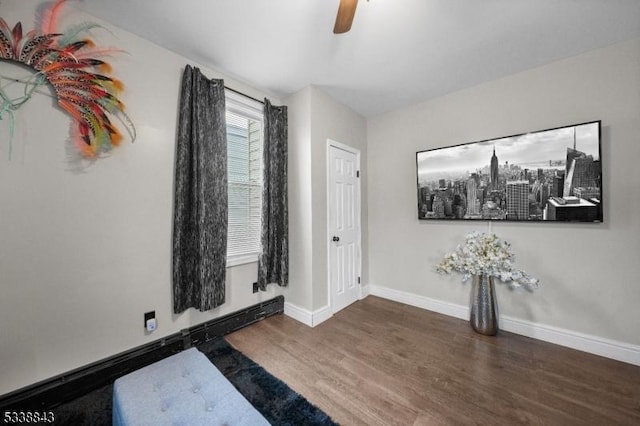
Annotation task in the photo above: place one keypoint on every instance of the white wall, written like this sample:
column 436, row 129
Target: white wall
column 85, row 249
column 589, row 272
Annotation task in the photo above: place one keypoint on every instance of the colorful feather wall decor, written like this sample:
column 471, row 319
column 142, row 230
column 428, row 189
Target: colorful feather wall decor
column 74, row 67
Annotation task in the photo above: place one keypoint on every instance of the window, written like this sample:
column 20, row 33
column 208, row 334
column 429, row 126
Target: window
column 244, row 163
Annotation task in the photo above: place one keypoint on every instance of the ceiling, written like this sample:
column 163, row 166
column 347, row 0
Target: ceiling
column 398, row 52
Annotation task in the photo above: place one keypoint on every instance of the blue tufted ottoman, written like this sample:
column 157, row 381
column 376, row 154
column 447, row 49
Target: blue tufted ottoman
column 183, row 389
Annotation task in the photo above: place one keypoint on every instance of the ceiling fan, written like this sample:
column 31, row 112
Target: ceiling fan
column 344, row 19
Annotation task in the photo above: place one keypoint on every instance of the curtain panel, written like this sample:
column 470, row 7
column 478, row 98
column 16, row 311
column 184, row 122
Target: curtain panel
column 200, row 202
column 273, row 264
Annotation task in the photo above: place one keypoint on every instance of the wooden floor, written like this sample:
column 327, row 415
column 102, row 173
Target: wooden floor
column 379, row 362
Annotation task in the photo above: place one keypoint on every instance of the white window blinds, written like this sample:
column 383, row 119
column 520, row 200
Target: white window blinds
column 244, row 163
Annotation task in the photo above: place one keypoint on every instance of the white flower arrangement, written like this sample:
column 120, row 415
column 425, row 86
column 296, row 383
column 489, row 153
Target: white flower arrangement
column 486, row 254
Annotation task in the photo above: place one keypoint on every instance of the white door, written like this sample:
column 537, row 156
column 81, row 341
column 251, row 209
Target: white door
column 344, row 225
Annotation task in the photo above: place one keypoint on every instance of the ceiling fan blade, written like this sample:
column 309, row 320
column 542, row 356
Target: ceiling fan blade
column 344, row 19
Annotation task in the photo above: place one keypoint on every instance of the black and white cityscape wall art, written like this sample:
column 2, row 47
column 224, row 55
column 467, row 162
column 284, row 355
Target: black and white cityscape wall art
column 548, row 175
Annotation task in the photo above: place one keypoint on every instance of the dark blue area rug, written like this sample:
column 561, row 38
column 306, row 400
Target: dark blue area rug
column 278, row 403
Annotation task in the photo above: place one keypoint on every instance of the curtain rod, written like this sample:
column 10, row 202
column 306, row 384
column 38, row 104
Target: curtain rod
column 242, row 94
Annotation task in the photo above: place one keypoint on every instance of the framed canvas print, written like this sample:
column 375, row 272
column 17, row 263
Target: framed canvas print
column 549, row 175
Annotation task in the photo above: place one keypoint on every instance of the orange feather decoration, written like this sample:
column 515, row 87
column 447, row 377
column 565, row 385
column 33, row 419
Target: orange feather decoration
column 69, row 63
column 50, row 16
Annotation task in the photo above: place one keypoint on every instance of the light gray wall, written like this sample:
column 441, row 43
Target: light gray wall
column 331, row 120
column 85, row 249
column 315, row 117
column 589, row 272
column 299, row 290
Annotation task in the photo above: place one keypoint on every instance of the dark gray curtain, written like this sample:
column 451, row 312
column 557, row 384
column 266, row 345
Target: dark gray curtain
column 200, row 204
column 273, row 266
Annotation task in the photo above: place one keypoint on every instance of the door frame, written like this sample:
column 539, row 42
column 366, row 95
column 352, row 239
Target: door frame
column 335, row 144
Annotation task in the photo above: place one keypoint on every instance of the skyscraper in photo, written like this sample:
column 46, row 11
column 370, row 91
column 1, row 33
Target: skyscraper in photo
column 518, row 200
column 557, row 185
column 438, row 206
column 581, row 171
column 473, row 205
column 494, row 169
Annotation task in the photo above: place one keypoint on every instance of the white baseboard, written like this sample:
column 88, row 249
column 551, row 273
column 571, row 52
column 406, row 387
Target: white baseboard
column 619, row 351
column 423, row 302
column 321, row 315
column 306, row 316
column 318, row 316
column 596, row 345
column 365, row 290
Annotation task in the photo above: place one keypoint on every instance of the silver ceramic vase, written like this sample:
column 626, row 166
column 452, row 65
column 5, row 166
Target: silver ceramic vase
column 484, row 310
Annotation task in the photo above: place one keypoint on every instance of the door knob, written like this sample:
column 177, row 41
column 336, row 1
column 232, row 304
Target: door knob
column 336, row 238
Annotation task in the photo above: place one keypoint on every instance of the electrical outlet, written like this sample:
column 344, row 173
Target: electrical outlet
column 151, row 325
column 150, row 322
